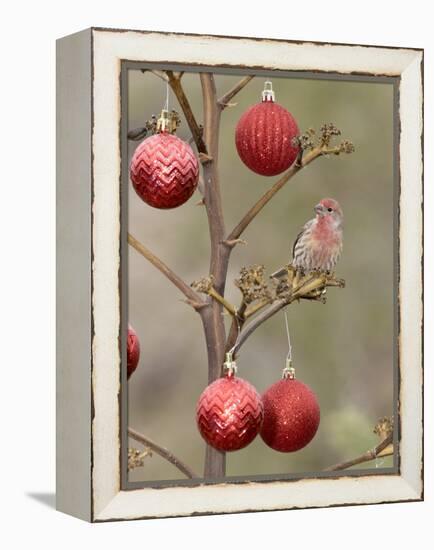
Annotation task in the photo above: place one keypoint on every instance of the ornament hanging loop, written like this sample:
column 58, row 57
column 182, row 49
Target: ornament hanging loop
column 230, row 366
column 164, row 123
column 268, row 93
column 288, row 372
column 168, row 121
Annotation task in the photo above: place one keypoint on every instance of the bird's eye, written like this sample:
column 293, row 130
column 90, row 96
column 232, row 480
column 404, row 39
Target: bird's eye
column 330, row 209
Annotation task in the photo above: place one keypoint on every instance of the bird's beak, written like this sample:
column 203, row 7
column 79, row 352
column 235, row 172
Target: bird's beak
column 319, row 209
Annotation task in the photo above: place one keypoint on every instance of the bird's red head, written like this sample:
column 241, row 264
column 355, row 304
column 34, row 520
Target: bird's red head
column 329, row 208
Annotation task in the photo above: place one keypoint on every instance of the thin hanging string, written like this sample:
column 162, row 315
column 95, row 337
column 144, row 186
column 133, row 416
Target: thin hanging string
column 230, row 366
column 231, row 351
column 288, row 371
column 166, row 105
column 289, row 356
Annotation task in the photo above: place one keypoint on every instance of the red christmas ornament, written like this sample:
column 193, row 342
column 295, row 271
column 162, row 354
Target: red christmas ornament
column 264, row 136
column 229, row 413
column 133, row 351
column 164, row 169
column 291, row 415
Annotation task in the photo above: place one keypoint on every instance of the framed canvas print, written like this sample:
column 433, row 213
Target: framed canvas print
column 239, row 274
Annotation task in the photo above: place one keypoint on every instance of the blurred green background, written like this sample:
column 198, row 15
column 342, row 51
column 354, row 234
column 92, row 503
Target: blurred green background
column 343, row 350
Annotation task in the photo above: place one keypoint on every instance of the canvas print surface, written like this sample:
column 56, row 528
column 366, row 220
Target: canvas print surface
column 260, row 273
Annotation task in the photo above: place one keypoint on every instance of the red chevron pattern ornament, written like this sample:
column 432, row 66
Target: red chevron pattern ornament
column 133, row 351
column 164, row 171
column 291, row 415
column 229, row 413
column 264, row 136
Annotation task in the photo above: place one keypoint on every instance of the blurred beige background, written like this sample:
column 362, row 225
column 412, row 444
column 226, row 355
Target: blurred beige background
column 343, row 350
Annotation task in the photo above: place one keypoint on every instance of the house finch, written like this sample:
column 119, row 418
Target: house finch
column 319, row 244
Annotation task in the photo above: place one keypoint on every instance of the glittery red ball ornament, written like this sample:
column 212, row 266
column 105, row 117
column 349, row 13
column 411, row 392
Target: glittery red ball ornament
column 164, row 171
column 229, row 413
column 264, row 137
column 133, row 351
column 291, row 415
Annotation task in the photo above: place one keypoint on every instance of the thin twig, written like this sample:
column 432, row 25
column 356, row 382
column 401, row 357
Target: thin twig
column 254, row 308
column 205, row 286
column 160, row 74
column 309, row 285
column 163, row 452
column 236, row 326
column 225, row 99
column 227, row 305
column 136, row 458
column 380, row 450
column 178, row 90
column 234, row 242
column 259, row 205
column 299, row 290
column 193, row 297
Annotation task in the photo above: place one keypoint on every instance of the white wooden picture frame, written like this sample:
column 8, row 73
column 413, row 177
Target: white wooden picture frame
column 89, row 440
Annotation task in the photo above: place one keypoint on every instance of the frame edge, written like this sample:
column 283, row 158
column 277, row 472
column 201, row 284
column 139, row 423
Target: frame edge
column 116, row 506
column 73, row 275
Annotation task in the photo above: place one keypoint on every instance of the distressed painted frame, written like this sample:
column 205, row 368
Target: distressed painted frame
column 89, row 244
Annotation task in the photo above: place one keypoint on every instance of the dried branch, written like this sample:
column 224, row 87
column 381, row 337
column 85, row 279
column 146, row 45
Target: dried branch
column 160, row 74
column 190, row 140
column 212, row 318
column 150, row 127
column 384, row 427
column 213, row 201
column 253, row 284
column 137, row 134
column 310, row 287
column 385, row 448
column 315, row 148
column 224, row 101
column 227, row 305
column 178, row 90
column 261, row 318
column 136, row 458
column 194, row 298
column 253, row 287
column 384, row 430
column 234, row 242
column 236, row 326
column 163, row 452
column 255, row 308
column 171, row 119
column 205, row 286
